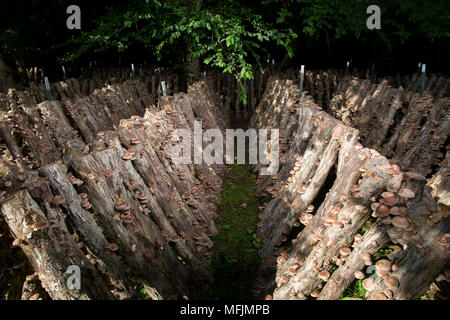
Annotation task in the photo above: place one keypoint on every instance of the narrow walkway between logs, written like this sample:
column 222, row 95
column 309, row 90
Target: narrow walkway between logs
column 235, row 259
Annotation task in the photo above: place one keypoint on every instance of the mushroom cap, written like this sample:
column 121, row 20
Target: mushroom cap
column 345, row 251
column 383, row 265
column 166, row 233
column 386, row 220
column 338, row 224
column 369, row 284
column 315, row 294
column 406, row 193
column 388, row 293
column 86, row 205
column 357, row 195
column 345, row 196
column 389, row 201
column 391, row 282
column 331, row 217
column 346, row 220
column 365, row 256
column 400, row 222
column 379, row 296
column 394, row 233
column 296, row 265
column 374, row 206
column 382, row 211
column 335, row 210
column 40, row 225
column 57, row 200
column 324, row 275
column 387, row 194
column 368, row 262
column 359, row 275
column 445, row 239
column 111, row 246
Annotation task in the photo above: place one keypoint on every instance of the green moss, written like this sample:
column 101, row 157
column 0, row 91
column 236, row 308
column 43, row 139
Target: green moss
column 143, row 293
column 235, row 259
column 356, row 290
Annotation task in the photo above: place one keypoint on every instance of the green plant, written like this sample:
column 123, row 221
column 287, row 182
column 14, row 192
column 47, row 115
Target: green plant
column 231, row 37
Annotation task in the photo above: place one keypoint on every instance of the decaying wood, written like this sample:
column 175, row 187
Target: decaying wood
column 365, row 185
column 88, row 180
column 137, row 218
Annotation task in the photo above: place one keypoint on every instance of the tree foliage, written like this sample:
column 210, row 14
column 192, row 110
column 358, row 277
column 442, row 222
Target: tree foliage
column 234, row 35
column 231, row 36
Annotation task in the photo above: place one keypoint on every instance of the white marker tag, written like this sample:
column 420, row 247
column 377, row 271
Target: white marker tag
column 163, row 87
column 424, row 67
column 302, row 69
column 47, row 85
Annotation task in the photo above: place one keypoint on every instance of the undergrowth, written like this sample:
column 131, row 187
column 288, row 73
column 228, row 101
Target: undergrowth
column 235, row 259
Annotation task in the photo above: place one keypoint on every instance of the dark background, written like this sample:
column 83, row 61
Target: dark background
column 34, row 33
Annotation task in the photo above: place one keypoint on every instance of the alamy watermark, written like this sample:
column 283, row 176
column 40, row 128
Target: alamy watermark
column 260, row 150
column 374, row 20
column 74, row 20
column 72, row 277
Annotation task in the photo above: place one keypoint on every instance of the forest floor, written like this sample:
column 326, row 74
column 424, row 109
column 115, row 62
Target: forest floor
column 235, row 259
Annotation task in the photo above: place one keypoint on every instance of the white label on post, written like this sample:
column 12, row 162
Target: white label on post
column 273, row 61
column 163, row 86
column 47, row 85
column 420, row 64
column 132, row 67
column 302, row 69
column 424, row 67
column 64, row 70
column 348, row 63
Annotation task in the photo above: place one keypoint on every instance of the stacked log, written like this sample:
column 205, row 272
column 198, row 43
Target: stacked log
column 408, row 128
column 37, row 133
column 332, row 185
column 114, row 203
